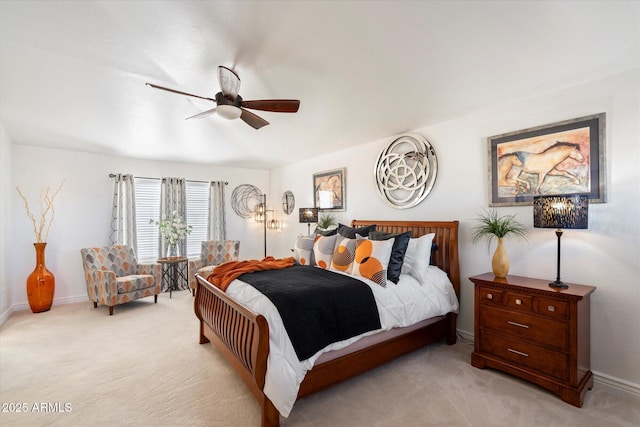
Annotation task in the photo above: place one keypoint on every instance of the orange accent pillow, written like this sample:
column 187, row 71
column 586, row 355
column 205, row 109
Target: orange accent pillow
column 372, row 259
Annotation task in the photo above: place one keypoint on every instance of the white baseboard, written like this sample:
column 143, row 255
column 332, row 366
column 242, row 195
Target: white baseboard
column 465, row 336
column 25, row 305
column 4, row 316
column 616, row 386
column 612, row 385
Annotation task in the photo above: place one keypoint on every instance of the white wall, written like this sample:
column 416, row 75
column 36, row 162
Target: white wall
column 83, row 209
column 5, row 223
column 607, row 255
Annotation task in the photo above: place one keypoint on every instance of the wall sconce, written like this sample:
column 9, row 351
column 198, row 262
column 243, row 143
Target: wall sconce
column 308, row 216
column 568, row 211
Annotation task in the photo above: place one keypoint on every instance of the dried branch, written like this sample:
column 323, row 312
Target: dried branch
column 47, row 212
column 30, row 215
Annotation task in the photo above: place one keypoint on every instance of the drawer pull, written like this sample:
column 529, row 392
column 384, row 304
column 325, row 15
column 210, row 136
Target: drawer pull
column 518, row 324
column 518, row 352
column 551, row 308
column 518, row 302
column 489, row 296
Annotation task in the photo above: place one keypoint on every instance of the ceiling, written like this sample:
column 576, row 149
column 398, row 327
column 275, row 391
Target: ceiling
column 73, row 73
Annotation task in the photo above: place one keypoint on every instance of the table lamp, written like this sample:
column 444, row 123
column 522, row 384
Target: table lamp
column 561, row 211
column 308, row 216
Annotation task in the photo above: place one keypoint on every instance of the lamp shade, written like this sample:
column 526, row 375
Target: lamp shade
column 260, row 214
column 561, row 211
column 308, row 215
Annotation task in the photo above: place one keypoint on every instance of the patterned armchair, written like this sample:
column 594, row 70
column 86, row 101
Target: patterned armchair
column 114, row 276
column 213, row 253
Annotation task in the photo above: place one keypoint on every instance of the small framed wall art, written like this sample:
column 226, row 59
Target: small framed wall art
column 329, row 190
column 560, row 158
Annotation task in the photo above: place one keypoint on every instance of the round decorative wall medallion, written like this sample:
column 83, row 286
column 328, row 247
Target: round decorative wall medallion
column 288, row 202
column 244, row 200
column 406, row 171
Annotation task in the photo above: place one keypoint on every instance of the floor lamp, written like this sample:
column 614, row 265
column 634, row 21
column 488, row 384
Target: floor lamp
column 563, row 211
column 308, row 216
column 261, row 216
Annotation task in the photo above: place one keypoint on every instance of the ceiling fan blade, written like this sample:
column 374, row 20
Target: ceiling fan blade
column 178, row 92
column 229, row 82
column 253, row 120
column 275, row 105
column 203, row 114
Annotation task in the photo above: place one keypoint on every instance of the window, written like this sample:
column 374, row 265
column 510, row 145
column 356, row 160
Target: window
column 197, row 215
column 148, row 212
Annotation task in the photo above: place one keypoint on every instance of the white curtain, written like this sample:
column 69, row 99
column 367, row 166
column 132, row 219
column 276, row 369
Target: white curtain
column 123, row 212
column 173, row 198
column 217, row 229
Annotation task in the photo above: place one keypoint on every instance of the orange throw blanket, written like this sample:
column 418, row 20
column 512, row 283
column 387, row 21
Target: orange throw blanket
column 226, row 273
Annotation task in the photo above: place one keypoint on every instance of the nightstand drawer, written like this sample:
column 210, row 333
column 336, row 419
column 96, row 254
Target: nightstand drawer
column 518, row 301
column 527, row 355
column 551, row 307
column 547, row 332
column 490, row 296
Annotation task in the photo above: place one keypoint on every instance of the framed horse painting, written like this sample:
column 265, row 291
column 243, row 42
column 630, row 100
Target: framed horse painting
column 560, row 158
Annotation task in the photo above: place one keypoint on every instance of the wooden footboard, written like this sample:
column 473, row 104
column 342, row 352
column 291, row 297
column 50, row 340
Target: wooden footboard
column 242, row 336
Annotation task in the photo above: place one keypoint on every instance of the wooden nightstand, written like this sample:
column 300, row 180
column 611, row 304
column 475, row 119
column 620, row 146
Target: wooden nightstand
column 538, row 333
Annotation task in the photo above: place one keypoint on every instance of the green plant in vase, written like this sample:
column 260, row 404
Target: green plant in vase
column 326, row 221
column 492, row 225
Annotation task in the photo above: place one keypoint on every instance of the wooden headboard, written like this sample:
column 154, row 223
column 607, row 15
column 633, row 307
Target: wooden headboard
column 446, row 237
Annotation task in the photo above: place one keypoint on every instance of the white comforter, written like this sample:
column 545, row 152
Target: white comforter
column 399, row 305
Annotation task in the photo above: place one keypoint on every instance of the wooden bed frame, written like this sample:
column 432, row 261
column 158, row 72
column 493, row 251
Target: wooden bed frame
column 242, row 336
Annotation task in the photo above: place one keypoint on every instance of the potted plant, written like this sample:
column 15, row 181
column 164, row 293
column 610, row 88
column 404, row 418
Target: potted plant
column 327, row 221
column 491, row 225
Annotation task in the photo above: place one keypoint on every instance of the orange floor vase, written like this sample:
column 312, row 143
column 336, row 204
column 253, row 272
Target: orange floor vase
column 40, row 284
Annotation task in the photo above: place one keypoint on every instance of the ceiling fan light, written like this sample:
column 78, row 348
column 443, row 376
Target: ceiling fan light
column 230, row 112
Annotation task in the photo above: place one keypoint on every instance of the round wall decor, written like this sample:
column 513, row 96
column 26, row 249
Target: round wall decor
column 406, row 171
column 288, row 202
column 244, row 200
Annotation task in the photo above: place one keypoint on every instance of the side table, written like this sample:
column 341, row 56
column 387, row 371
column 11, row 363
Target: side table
column 541, row 334
column 174, row 273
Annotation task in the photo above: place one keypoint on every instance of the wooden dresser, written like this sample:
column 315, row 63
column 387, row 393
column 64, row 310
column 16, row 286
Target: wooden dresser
column 541, row 334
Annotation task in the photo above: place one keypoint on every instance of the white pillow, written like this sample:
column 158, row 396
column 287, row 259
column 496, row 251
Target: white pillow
column 418, row 257
column 323, row 250
column 302, row 250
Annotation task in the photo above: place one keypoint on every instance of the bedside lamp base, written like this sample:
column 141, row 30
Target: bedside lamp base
column 558, row 284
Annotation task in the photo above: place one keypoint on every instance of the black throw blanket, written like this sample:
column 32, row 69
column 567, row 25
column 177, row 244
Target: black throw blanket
column 318, row 307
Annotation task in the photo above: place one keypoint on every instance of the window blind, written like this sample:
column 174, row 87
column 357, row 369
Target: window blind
column 197, row 215
column 147, row 213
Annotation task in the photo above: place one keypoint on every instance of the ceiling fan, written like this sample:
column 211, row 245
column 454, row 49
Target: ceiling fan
column 231, row 106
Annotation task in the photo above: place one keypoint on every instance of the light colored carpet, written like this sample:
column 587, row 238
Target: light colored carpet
column 143, row 366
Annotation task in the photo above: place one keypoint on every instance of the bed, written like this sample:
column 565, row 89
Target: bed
column 242, row 335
